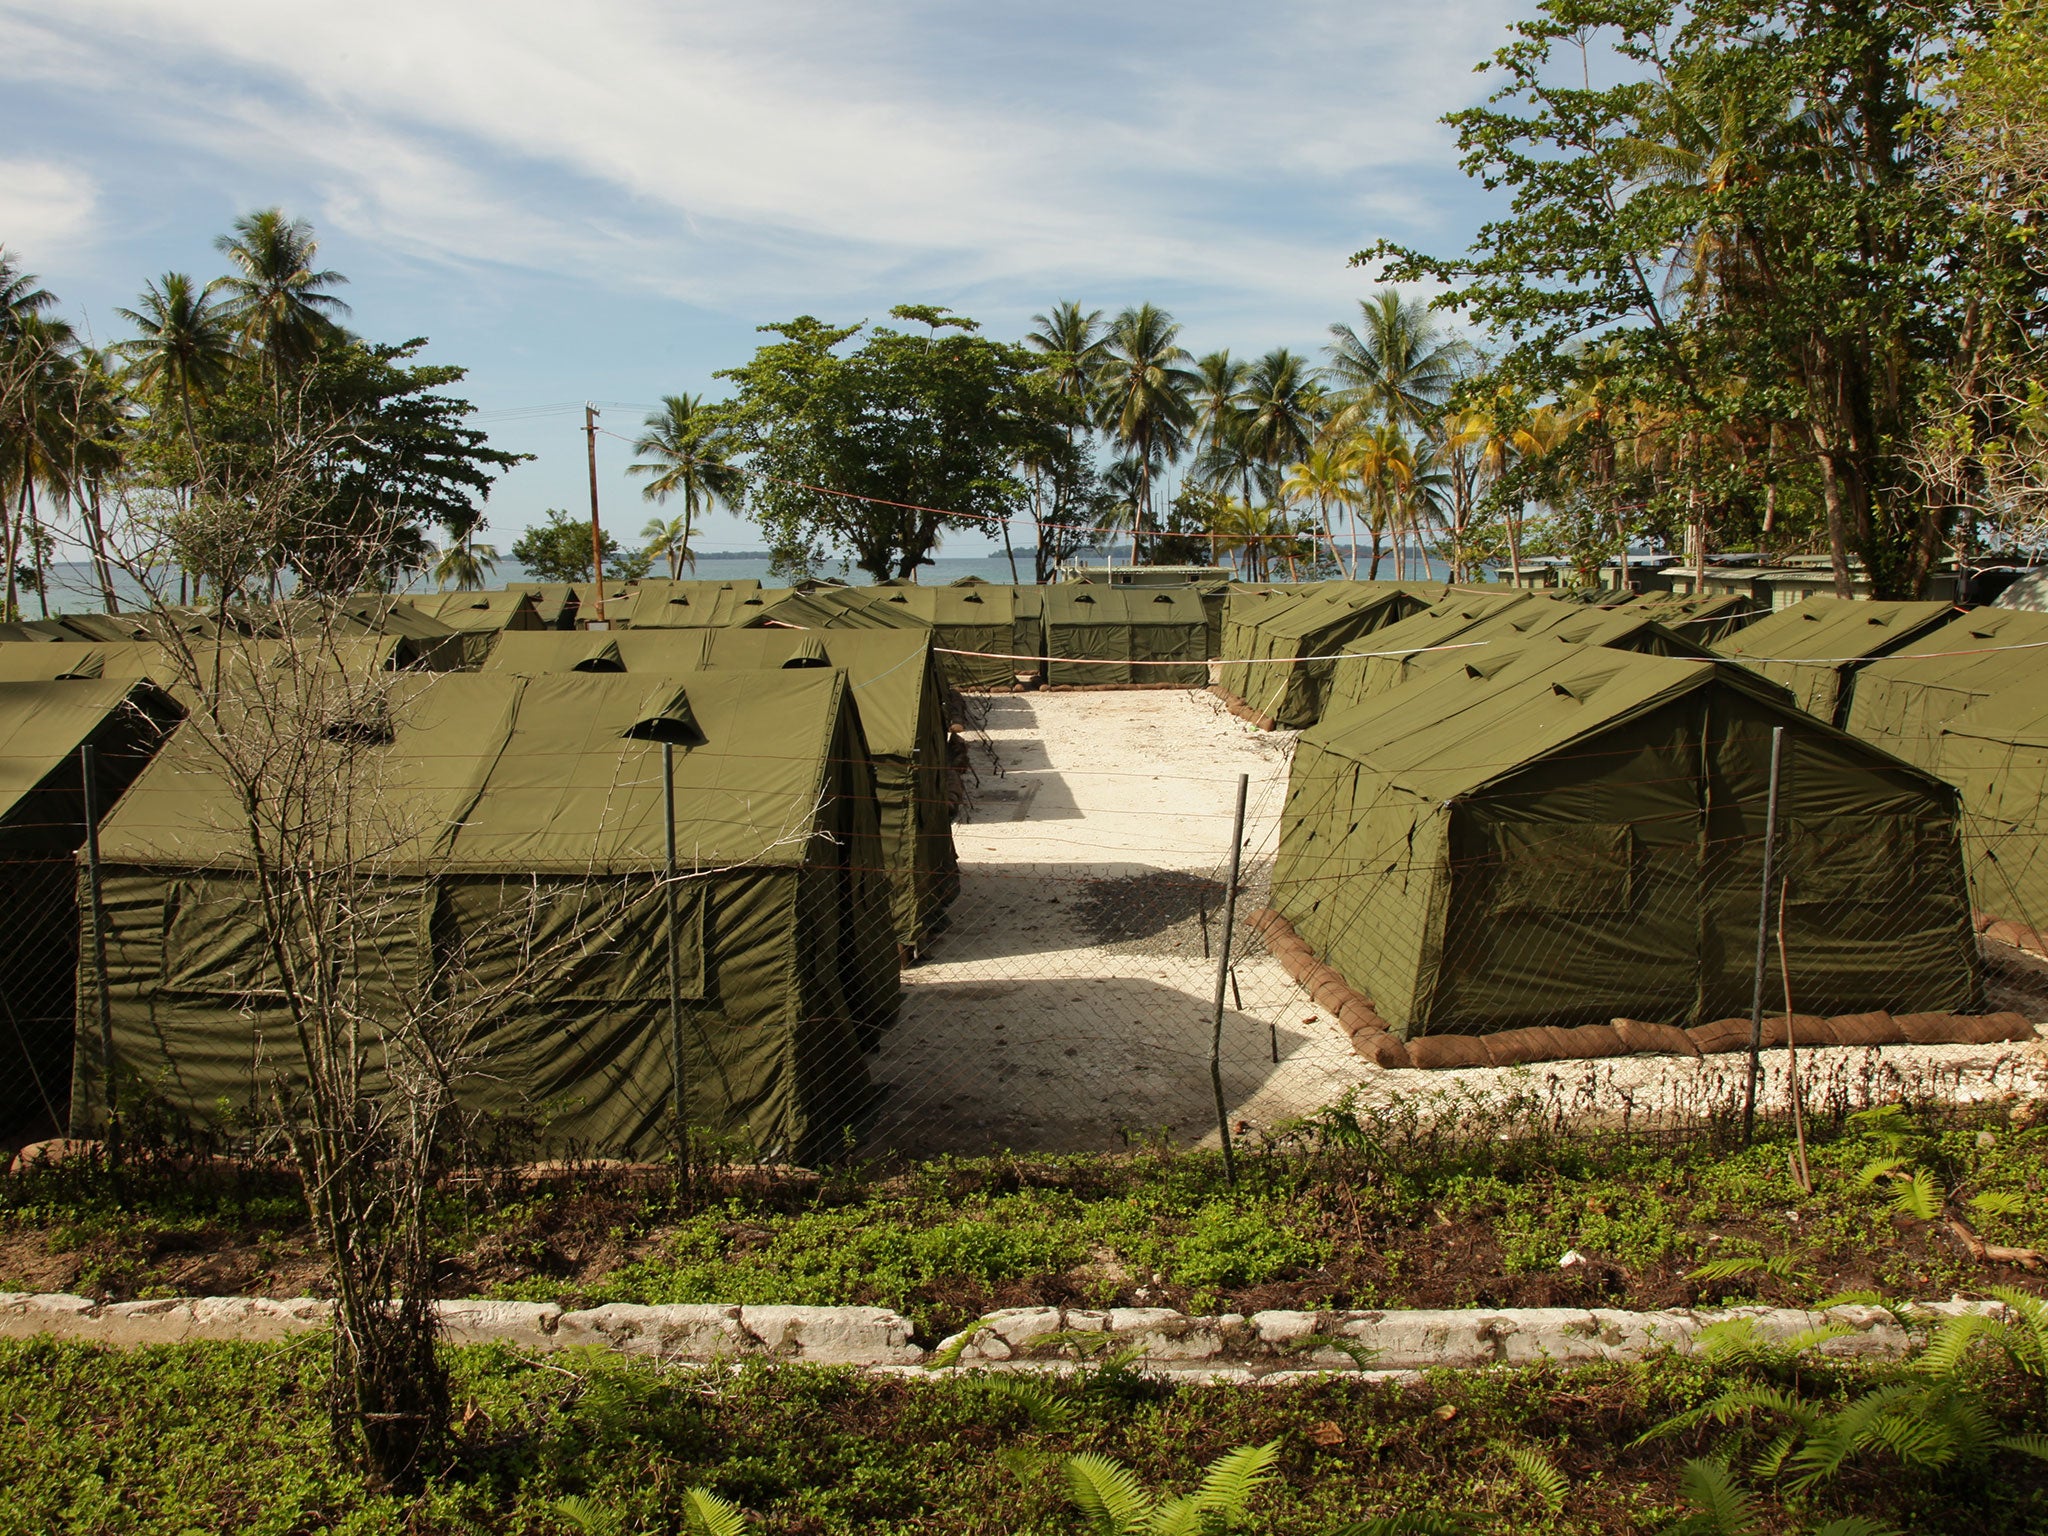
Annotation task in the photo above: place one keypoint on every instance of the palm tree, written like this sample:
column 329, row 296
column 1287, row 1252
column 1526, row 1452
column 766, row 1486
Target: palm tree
column 465, row 565
column 1283, row 405
column 669, row 539
column 1382, row 462
column 1325, row 476
column 1146, row 389
column 39, row 363
column 1071, row 346
column 689, row 448
column 1398, row 366
column 273, row 294
column 96, row 436
column 186, row 347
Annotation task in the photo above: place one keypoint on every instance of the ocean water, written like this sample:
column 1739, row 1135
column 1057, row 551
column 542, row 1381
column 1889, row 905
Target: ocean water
column 73, row 590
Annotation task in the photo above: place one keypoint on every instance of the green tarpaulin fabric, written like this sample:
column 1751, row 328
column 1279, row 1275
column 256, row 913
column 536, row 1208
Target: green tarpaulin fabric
column 1704, row 619
column 1996, row 754
column 1902, row 701
column 1272, row 678
column 554, row 601
column 1813, row 646
column 42, row 825
column 664, row 604
column 897, row 691
column 1354, row 680
column 557, row 650
column 519, row 821
column 1101, row 634
column 480, row 617
column 1577, row 837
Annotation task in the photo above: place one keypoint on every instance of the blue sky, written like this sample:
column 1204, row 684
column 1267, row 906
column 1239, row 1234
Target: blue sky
column 603, row 200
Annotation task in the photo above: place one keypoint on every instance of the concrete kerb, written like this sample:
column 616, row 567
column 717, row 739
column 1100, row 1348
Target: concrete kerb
column 1269, row 1347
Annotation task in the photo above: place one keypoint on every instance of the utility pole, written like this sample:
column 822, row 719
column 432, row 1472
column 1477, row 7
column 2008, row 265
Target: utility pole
column 596, row 533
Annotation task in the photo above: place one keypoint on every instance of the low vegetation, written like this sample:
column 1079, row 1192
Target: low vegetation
column 1414, row 1207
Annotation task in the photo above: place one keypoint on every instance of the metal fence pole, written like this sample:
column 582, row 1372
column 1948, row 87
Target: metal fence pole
column 677, row 1078
column 1763, row 928
column 88, row 767
column 1222, row 978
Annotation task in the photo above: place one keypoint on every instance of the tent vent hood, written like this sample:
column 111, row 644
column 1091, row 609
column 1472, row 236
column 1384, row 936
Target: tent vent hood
column 666, row 716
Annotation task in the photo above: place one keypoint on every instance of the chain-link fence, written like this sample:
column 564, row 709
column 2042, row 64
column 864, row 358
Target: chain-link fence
column 1059, row 991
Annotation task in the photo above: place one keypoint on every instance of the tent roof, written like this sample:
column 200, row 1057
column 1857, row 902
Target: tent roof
column 558, row 774
column 43, row 663
column 1448, row 620
column 551, row 598
column 1452, row 731
column 43, row 723
column 1314, row 612
column 1968, row 651
column 1833, row 629
column 533, row 652
column 665, row 604
column 476, row 610
column 1081, row 603
column 2016, row 714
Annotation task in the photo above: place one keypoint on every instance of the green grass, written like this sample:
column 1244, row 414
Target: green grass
column 231, row 1438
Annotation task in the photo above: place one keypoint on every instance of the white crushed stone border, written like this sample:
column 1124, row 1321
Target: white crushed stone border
column 1267, row 1347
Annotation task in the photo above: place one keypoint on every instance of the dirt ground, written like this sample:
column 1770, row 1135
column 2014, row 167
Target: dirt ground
column 1068, row 1006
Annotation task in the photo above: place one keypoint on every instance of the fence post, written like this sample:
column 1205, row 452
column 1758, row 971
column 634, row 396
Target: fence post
column 680, row 1087
column 1222, row 978
column 88, row 766
column 1763, row 927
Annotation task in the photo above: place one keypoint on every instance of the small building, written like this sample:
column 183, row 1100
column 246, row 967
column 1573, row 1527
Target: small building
column 1571, row 836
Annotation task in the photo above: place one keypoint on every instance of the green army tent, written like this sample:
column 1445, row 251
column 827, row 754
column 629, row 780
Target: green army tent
column 45, row 663
column 424, row 641
column 1814, row 646
column 1566, row 839
column 557, row 650
column 665, row 604
column 1996, row 754
column 1703, row 619
column 42, row 827
column 974, row 629
column 898, row 693
column 554, row 601
column 1276, row 680
column 520, row 833
column 1096, row 635
column 1902, row 701
column 480, row 617
column 1445, row 622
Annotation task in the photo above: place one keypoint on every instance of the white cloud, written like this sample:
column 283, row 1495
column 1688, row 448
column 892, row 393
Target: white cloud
column 46, row 209
column 725, row 154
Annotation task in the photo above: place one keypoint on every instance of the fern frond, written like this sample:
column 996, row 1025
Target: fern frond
column 1041, row 1402
column 2032, row 1445
column 1997, row 1202
column 1880, row 1168
column 949, row 1357
column 1727, row 1508
column 1542, row 1473
column 1918, row 1196
column 1952, row 1342
column 1855, row 1525
column 1227, row 1487
column 1108, row 1495
column 591, row 1518
column 1181, row 1517
column 706, row 1514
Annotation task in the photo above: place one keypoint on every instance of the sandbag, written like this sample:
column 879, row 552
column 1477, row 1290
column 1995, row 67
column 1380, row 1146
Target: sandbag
column 1867, row 1029
column 1810, row 1029
column 1438, row 1052
column 1928, row 1028
column 1382, row 1049
column 1640, row 1037
column 1994, row 1028
column 1519, row 1047
column 1589, row 1042
column 1358, row 1015
column 1332, row 995
column 1726, row 1035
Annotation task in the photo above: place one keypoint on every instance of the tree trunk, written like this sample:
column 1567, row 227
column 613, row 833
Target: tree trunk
column 1833, row 498
column 96, row 532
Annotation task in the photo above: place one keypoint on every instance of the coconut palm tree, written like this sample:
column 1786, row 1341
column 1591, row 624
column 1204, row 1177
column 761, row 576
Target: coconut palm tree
column 1146, row 389
column 96, row 434
column 40, row 365
column 1325, row 476
column 689, row 453
column 1070, row 345
column 1397, row 365
column 669, row 539
column 272, row 294
column 465, row 565
column 1283, row 406
column 186, row 347
column 1382, row 463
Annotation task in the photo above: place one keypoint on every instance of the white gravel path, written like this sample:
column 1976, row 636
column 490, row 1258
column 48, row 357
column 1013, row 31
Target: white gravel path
column 1023, row 1029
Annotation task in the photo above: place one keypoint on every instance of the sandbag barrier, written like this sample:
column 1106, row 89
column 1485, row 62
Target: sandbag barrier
column 1372, row 1039
column 2016, row 935
column 1242, row 710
